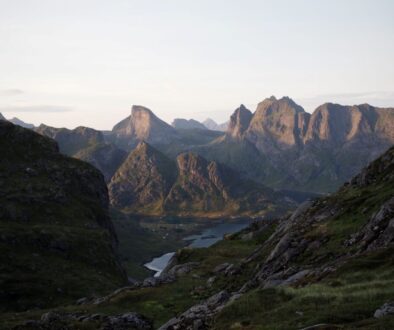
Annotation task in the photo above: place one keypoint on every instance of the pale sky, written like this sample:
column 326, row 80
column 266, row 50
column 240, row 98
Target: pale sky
column 85, row 62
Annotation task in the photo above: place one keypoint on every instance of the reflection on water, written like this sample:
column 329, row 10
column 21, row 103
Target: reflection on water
column 205, row 239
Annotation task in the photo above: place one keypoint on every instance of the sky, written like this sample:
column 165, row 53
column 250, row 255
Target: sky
column 67, row 63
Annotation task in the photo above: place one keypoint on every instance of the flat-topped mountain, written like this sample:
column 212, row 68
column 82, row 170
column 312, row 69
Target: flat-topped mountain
column 187, row 124
column 57, row 241
column 72, row 141
column 149, row 182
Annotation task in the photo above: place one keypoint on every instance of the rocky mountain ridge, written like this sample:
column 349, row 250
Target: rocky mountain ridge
column 310, row 152
column 148, row 181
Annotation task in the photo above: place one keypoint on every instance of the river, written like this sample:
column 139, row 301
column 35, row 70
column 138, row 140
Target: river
column 206, row 238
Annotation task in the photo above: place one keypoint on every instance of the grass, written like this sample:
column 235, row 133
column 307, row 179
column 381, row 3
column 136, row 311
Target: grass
column 347, row 298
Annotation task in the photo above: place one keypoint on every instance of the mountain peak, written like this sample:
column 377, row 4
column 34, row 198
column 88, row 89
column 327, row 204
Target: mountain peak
column 239, row 121
column 143, row 124
column 136, row 109
column 143, row 179
column 280, row 120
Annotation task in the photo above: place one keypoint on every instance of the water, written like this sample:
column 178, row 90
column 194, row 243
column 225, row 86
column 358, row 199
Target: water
column 207, row 238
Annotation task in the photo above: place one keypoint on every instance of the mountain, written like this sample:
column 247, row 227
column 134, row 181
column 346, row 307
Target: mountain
column 239, row 122
column 212, row 125
column 2, row 117
column 72, row 141
column 57, row 241
column 142, row 182
column 150, row 183
column 143, row 125
column 105, row 157
column 209, row 187
column 19, row 122
column 301, row 151
column 187, row 124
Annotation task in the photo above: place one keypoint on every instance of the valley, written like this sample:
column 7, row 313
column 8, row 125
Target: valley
column 196, row 165
column 181, row 227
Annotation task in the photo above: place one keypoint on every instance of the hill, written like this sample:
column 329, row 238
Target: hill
column 57, row 241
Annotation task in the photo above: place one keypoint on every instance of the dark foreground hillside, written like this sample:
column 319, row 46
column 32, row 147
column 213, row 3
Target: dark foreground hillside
column 57, row 242
column 329, row 265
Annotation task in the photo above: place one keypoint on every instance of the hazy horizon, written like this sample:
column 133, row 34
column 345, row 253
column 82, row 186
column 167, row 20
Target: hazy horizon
column 71, row 63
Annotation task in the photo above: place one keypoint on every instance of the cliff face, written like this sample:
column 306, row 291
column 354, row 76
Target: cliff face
column 277, row 124
column 57, row 241
column 239, row 122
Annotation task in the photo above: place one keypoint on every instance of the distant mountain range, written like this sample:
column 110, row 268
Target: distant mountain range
column 212, row 125
column 17, row 121
column 187, row 124
column 278, row 146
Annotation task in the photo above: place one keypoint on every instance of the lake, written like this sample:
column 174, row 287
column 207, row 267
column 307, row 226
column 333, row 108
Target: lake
column 206, row 238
